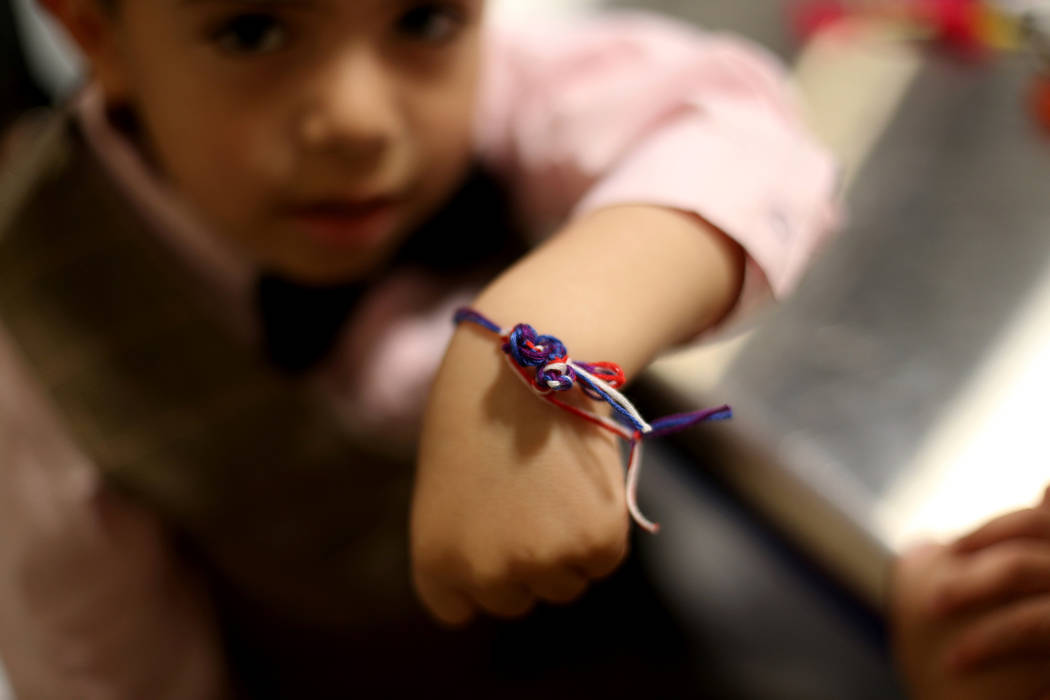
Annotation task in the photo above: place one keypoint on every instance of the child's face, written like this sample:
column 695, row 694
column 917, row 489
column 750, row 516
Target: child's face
column 312, row 133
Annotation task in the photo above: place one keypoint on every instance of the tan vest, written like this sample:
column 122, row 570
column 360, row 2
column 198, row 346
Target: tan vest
column 180, row 414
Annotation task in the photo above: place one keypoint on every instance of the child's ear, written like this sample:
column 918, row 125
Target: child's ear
column 93, row 26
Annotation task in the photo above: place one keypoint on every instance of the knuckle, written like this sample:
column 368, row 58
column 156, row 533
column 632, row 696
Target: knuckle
column 425, row 573
column 1027, row 628
column 1036, row 522
column 438, row 563
column 1035, row 627
column 602, row 555
column 513, row 611
column 505, row 601
column 524, row 558
column 453, row 618
column 612, row 553
column 577, row 589
column 565, row 595
column 490, row 580
column 572, row 592
column 1013, row 573
column 943, row 598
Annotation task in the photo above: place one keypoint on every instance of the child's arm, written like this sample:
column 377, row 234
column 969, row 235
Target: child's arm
column 515, row 500
column 685, row 175
column 972, row 619
column 633, row 109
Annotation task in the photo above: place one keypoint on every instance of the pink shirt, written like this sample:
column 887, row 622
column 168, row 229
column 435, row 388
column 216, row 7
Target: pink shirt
column 574, row 117
column 628, row 109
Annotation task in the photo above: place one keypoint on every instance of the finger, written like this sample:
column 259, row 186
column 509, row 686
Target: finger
column 561, row 587
column 600, row 560
column 447, row 605
column 918, row 561
column 916, row 581
column 1045, row 503
column 922, row 550
column 1032, row 523
column 996, row 575
column 507, row 601
column 1019, row 630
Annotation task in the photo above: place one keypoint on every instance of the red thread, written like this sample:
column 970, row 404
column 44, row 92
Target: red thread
column 613, row 375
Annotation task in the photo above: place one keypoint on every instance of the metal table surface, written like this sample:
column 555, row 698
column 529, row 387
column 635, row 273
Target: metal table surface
column 899, row 391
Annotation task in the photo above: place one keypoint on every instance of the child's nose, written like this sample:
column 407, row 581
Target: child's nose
column 354, row 110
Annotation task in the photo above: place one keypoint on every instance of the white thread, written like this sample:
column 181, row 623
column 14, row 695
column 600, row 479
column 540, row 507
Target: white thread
column 608, row 423
column 619, row 398
column 634, row 468
column 560, row 367
column 634, row 463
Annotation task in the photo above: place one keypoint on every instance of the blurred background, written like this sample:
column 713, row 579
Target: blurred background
column 899, row 394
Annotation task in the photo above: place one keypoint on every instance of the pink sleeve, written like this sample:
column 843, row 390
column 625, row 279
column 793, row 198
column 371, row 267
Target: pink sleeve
column 634, row 109
column 94, row 603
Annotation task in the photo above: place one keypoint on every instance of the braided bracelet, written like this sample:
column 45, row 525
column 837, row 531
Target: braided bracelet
column 543, row 363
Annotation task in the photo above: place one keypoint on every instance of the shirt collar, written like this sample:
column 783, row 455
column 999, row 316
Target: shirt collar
column 228, row 273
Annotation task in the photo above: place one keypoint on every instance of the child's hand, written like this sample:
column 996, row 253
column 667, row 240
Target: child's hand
column 515, row 500
column 972, row 620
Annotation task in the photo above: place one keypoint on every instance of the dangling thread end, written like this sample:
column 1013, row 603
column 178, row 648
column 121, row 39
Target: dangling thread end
column 633, row 472
column 639, row 519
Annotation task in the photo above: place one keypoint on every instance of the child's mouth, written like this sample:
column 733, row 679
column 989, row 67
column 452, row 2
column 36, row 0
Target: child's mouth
column 346, row 223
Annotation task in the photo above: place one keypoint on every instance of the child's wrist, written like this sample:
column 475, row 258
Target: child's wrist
column 544, row 364
column 475, row 355
column 623, row 284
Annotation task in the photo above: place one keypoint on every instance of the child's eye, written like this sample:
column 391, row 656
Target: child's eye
column 252, row 34
column 432, row 22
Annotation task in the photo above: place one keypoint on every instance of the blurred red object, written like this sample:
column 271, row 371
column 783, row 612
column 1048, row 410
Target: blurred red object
column 1040, row 99
column 812, row 16
column 958, row 23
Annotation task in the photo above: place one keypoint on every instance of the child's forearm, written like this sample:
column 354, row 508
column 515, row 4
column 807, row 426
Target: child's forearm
column 513, row 503
column 622, row 284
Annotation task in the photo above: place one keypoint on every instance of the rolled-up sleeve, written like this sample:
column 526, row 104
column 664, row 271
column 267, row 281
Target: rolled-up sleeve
column 632, row 109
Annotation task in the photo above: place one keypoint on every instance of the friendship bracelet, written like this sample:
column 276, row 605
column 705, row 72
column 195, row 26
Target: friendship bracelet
column 543, row 363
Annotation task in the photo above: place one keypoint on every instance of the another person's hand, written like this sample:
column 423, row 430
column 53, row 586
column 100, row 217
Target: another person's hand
column 972, row 619
column 515, row 501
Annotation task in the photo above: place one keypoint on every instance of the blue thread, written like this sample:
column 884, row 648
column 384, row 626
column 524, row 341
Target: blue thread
column 522, row 345
column 681, row 421
column 556, row 379
column 546, row 353
column 465, row 314
column 529, row 349
column 602, row 396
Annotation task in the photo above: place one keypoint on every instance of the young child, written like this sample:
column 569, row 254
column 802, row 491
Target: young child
column 972, row 618
column 297, row 174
